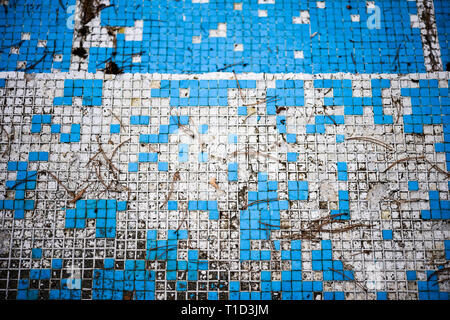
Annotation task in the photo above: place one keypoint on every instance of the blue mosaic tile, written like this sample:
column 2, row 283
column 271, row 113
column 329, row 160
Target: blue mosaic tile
column 442, row 14
column 329, row 42
column 249, row 150
column 103, row 211
column 33, row 18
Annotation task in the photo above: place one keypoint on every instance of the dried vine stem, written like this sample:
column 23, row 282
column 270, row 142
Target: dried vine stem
column 9, row 136
column 182, row 221
column 373, row 140
column 255, row 153
column 72, row 194
column 258, row 201
column 112, row 167
column 118, row 147
column 265, row 100
column 238, row 85
column 434, row 166
column 79, row 195
column 437, row 272
column 176, row 177
column 437, row 168
column 403, row 160
column 316, row 226
column 345, row 276
column 272, row 225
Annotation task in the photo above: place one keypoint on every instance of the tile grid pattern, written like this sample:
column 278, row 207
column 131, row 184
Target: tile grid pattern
column 367, row 149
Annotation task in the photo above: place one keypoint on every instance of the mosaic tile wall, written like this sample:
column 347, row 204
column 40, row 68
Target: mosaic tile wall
column 200, row 149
